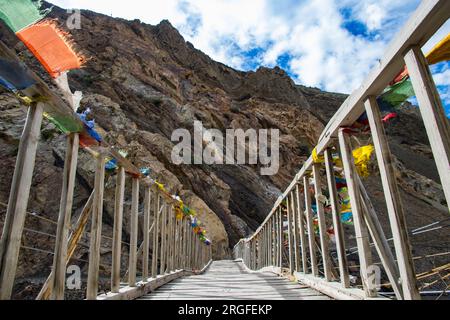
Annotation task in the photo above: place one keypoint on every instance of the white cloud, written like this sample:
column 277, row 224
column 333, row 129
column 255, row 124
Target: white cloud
column 322, row 52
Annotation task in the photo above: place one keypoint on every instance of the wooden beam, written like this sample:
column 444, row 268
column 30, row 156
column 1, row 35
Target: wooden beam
column 310, row 225
column 433, row 115
column 361, row 232
column 393, row 200
column 64, row 219
column 336, row 212
column 117, row 231
column 18, row 200
column 132, row 269
column 322, row 223
column 96, row 229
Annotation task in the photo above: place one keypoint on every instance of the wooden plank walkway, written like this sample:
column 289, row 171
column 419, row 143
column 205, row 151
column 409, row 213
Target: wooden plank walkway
column 228, row 280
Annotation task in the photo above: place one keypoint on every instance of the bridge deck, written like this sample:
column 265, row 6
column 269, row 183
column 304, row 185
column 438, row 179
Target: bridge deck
column 228, row 280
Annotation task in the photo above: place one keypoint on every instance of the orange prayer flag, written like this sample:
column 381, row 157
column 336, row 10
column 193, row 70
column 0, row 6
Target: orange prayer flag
column 51, row 47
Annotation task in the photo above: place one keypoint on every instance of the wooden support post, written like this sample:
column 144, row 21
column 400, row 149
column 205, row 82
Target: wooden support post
column 393, row 201
column 163, row 239
column 290, row 236
column 310, row 225
column 322, row 223
column 117, row 233
column 169, row 238
column 155, row 249
column 296, row 231
column 189, row 247
column 172, row 239
column 338, row 229
column 185, row 244
column 64, row 219
column 18, row 200
column 132, row 268
column 275, row 239
column 361, row 232
column 436, row 124
column 253, row 265
column 96, row 230
column 146, row 239
column 301, row 229
column 280, row 237
column 177, row 244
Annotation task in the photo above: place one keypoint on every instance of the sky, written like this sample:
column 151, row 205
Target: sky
column 328, row 44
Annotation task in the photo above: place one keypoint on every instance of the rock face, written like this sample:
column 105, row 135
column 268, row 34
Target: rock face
column 142, row 82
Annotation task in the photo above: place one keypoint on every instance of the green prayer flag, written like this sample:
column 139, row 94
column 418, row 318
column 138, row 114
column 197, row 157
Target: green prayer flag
column 395, row 95
column 19, row 14
column 65, row 124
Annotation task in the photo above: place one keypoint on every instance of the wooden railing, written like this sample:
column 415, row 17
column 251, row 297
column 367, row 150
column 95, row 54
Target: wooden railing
column 266, row 247
column 176, row 249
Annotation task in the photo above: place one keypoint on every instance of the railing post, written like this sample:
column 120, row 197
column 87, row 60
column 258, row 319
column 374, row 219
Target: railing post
column 336, row 212
column 322, row 223
column 170, row 239
column 96, row 229
column 258, row 245
column 18, row 200
column 275, row 239
column 290, row 235
column 146, row 240
column 393, row 201
column 163, row 239
column 434, row 118
column 133, row 232
column 185, row 243
column 117, row 234
column 156, row 228
column 310, row 225
column 296, row 234
column 64, row 219
column 362, row 235
column 280, row 237
column 301, row 227
column 177, row 244
column 253, row 254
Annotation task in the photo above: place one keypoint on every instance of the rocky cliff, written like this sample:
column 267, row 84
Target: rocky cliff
column 142, row 82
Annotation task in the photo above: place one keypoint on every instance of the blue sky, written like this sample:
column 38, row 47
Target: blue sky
column 329, row 44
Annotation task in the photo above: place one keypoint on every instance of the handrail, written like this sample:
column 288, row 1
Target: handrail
column 266, row 246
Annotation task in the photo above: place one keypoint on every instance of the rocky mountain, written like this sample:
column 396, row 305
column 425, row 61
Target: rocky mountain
column 142, row 82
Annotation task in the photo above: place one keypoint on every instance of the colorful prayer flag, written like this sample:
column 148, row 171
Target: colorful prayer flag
column 13, row 76
column 395, row 95
column 51, row 47
column 362, row 158
column 20, row 14
column 441, row 52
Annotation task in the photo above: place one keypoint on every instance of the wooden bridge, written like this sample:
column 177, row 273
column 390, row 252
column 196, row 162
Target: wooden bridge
column 180, row 265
